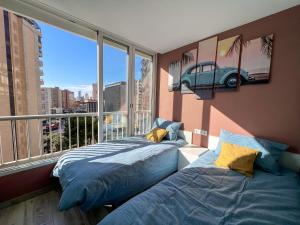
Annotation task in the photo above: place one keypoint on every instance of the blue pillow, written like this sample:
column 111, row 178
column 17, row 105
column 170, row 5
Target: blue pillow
column 270, row 151
column 170, row 126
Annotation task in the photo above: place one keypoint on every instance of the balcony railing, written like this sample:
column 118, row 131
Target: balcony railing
column 23, row 138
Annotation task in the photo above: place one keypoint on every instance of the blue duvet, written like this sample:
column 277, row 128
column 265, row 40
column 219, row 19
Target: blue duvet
column 111, row 172
column 203, row 194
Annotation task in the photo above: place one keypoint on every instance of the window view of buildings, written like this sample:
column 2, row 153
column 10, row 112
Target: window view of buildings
column 23, row 92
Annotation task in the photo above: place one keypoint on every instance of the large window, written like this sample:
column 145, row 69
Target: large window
column 143, row 93
column 115, row 90
column 48, row 76
column 44, row 71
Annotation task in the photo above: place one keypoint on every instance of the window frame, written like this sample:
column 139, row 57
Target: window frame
column 69, row 23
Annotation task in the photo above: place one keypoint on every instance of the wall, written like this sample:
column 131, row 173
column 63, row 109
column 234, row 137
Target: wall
column 265, row 110
column 17, row 184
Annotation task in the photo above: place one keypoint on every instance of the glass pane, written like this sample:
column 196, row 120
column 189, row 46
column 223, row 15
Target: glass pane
column 143, row 93
column 115, row 76
column 44, row 70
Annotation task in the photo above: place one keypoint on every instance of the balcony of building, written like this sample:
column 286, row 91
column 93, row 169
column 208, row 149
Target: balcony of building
column 55, row 134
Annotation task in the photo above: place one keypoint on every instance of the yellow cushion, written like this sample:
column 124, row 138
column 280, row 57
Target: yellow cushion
column 157, row 134
column 237, row 158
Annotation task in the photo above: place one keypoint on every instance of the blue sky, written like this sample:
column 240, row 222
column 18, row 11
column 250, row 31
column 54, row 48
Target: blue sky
column 70, row 61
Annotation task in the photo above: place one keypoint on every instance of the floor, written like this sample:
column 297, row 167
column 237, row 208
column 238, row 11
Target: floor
column 42, row 210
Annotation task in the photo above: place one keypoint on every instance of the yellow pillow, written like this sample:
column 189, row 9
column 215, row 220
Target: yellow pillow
column 237, row 158
column 157, row 134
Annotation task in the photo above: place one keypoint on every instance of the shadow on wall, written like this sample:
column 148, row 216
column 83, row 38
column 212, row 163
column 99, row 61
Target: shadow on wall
column 243, row 117
column 258, row 110
column 177, row 107
column 264, row 110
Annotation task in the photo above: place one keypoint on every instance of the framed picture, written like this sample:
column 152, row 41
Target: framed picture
column 174, row 76
column 256, row 60
column 227, row 64
column 188, row 69
column 205, row 72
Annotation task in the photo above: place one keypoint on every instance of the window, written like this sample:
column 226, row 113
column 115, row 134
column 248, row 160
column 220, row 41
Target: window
column 143, row 93
column 115, row 90
column 194, row 70
column 207, row 68
column 63, row 80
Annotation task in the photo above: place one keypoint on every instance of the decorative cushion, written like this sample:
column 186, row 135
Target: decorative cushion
column 157, row 134
column 269, row 151
column 236, row 157
column 170, row 126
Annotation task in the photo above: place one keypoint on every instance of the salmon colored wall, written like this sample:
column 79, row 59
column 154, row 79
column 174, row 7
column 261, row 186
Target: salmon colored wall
column 266, row 110
column 14, row 185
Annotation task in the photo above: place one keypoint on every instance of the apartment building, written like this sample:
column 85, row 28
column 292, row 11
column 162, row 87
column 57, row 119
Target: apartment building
column 20, row 79
column 95, row 92
column 67, row 99
column 143, row 87
column 114, row 96
column 90, row 105
column 52, row 100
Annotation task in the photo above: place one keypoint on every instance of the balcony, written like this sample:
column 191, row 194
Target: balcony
column 46, row 137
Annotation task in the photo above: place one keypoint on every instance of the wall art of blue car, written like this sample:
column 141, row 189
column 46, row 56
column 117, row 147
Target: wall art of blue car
column 202, row 76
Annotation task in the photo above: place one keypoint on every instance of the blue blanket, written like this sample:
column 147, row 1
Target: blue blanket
column 111, row 172
column 204, row 194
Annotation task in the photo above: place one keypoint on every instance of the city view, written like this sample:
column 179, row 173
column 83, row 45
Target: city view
column 42, row 73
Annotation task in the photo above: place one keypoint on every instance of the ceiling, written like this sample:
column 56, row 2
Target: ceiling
column 163, row 25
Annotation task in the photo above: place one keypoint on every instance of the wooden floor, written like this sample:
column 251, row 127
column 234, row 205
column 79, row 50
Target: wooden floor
column 42, row 210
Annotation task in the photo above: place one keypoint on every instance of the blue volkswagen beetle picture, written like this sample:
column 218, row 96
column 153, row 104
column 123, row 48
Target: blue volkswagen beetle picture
column 202, row 75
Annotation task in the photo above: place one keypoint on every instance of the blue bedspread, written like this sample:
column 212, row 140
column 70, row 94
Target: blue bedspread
column 203, row 194
column 111, row 172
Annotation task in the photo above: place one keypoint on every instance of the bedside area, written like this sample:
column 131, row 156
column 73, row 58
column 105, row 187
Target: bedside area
column 188, row 154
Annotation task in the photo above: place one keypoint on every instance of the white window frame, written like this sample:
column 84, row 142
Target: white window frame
column 52, row 16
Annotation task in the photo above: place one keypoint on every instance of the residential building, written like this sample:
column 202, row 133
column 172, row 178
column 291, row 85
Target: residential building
column 67, row 99
column 79, row 96
column 114, row 97
column 91, row 106
column 94, row 91
column 46, row 100
column 86, row 96
column 20, row 79
column 51, row 100
column 138, row 95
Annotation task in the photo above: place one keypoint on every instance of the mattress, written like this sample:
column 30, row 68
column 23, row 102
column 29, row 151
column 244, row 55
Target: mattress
column 112, row 172
column 204, row 194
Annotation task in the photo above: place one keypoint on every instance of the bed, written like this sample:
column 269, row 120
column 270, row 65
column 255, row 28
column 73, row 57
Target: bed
column 111, row 172
column 204, row 194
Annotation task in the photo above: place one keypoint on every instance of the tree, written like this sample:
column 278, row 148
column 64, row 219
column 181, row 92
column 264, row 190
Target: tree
column 73, row 125
column 236, row 45
column 56, row 142
column 187, row 57
column 267, row 45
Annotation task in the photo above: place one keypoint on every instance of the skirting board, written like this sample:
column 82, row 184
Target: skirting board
column 288, row 159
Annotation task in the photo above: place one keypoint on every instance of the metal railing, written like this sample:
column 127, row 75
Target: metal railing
column 142, row 122
column 54, row 134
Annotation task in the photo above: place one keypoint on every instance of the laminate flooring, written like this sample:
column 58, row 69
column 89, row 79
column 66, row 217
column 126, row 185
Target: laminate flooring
column 42, row 210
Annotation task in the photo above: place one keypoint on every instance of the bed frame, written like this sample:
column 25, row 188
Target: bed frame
column 289, row 160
